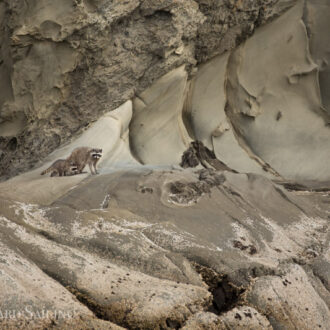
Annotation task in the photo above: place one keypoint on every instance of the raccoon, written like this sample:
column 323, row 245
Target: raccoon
column 61, row 167
column 95, row 156
column 85, row 155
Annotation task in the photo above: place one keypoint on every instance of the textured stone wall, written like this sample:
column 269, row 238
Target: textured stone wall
column 65, row 63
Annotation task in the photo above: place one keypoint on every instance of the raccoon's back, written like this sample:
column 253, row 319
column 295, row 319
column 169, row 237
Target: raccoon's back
column 55, row 166
column 80, row 154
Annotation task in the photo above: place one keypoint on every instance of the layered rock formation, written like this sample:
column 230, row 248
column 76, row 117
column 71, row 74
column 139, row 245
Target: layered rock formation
column 65, row 64
column 155, row 247
column 147, row 244
column 260, row 107
column 151, row 248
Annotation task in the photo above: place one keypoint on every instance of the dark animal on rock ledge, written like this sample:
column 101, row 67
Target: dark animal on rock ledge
column 61, row 167
column 86, row 155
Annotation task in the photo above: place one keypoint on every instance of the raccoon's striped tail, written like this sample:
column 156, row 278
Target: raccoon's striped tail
column 49, row 169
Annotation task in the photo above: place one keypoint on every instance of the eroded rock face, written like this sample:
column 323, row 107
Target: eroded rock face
column 259, row 108
column 140, row 254
column 63, row 65
column 304, row 308
column 152, row 247
column 148, row 247
column 274, row 102
column 228, row 240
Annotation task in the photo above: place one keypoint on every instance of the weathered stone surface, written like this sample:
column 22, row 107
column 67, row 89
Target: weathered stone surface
column 228, row 22
column 208, row 120
column 130, row 222
column 245, row 317
column 204, row 321
column 115, row 293
column 321, row 268
column 64, row 64
column 290, row 301
column 31, row 299
column 274, row 99
column 157, row 226
column 242, row 317
column 80, row 322
column 158, row 122
column 317, row 20
column 156, row 246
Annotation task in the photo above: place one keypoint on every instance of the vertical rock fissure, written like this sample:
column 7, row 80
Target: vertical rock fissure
column 225, row 294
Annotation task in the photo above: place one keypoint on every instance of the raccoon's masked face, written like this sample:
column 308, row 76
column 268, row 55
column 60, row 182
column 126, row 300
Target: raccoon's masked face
column 73, row 167
column 96, row 153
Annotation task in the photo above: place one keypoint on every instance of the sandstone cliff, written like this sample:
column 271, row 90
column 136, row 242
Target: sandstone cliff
column 65, row 63
column 241, row 241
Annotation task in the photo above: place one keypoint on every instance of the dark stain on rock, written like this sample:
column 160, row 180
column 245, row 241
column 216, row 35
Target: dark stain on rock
column 250, row 248
column 237, row 316
column 279, row 116
column 197, row 154
column 144, row 190
column 253, row 249
column 239, row 245
column 248, row 314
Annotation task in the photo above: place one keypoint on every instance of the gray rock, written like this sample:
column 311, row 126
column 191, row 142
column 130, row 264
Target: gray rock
column 245, row 317
column 290, row 301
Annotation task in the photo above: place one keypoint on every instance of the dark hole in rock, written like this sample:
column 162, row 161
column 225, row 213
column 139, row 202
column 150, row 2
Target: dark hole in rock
column 46, row 235
column 173, row 324
column 159, row 14
column 225, row 294
column 248, row 314
column 252, row 249
column 238, row 317
column 163, row 13
column 12, row 144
